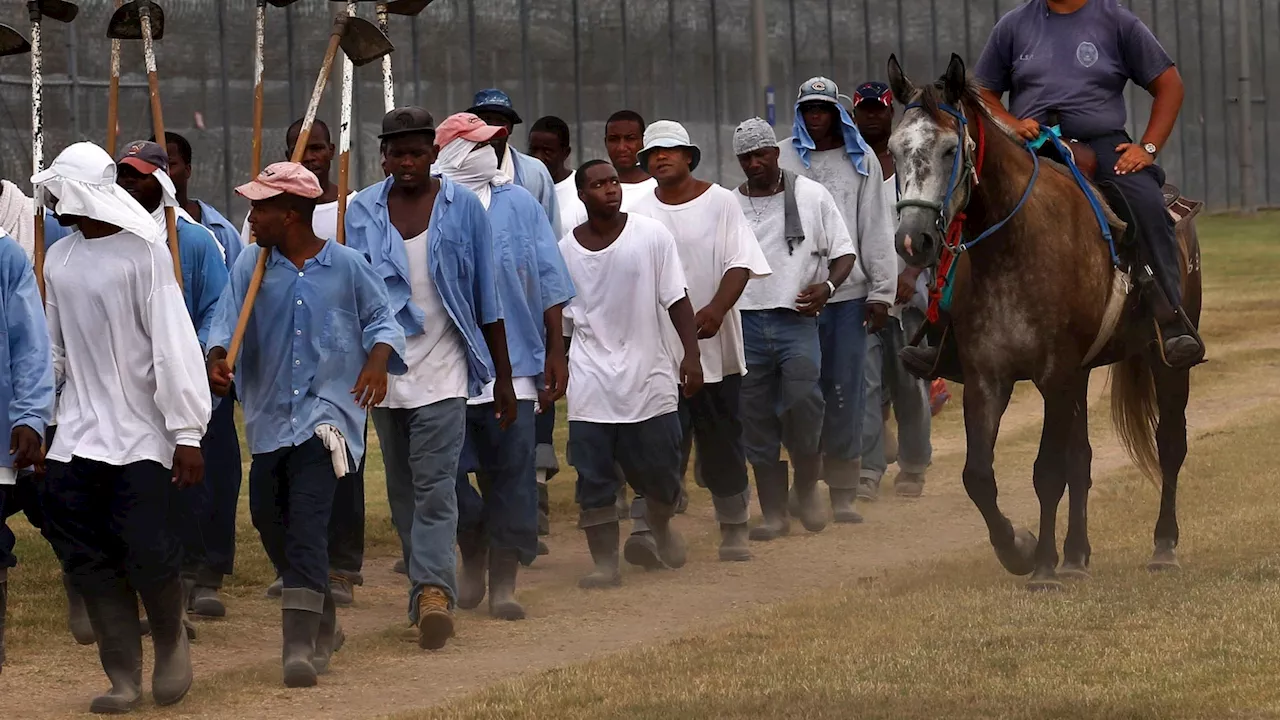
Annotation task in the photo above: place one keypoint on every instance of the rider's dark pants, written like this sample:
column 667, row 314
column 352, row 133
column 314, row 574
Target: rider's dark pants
column 1146, row 200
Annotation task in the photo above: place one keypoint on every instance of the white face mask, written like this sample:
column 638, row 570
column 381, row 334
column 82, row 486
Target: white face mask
column 471, row 166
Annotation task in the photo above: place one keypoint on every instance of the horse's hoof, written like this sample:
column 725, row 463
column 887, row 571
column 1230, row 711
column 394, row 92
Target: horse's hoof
column 1164, row 560
column 1074, row 571
column 1021, row 558
column 1049, row 583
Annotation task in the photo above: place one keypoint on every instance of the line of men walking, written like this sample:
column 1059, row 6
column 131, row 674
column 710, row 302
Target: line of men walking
column 479, row 286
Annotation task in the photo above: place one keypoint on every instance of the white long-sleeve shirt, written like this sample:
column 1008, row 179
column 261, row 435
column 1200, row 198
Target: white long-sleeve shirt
column 862, row 203
column 125, row 352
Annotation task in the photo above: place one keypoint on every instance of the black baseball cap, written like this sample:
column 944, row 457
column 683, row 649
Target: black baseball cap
column 144, row 156
column 873, row 91
column 407, row 120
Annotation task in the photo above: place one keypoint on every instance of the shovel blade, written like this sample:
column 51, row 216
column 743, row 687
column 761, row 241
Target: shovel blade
column 57, row 10
column 126, row 21
column 407, row 7
column 12, row 42
column 363, row 42
column 281, row 3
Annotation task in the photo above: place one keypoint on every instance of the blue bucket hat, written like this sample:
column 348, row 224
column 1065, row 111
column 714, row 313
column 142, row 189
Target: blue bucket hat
column 494, row 100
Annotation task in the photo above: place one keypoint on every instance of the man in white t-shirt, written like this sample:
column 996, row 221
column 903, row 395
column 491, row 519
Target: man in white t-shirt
column 719, row 255
column 826, row 147
column 624, row 375
column 804, row 238
column 887, row 380
column 623, row 140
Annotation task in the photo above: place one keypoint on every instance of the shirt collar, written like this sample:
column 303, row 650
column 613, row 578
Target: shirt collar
column 324, row 257
column 446, row 190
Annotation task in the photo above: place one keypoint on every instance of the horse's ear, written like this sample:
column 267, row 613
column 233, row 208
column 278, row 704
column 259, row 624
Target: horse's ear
column 954, row 81
column 899, row 83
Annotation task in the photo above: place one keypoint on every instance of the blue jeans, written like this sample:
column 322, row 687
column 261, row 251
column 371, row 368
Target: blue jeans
column 420, row 450
column 647, row 452
column 291, row 493
column 504, row 512
column 844, row 350
column 781, row 398
column 888, row 381
column 207, row 511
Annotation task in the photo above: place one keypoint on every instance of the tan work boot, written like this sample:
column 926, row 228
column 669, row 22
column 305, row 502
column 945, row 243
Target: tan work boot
column 435, row 619
column 909, row 485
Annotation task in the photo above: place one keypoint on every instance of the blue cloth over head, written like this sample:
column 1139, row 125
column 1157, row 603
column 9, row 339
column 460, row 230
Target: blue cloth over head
column 853, row 142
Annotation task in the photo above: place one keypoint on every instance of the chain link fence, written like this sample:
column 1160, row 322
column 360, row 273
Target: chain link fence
column 689, row 60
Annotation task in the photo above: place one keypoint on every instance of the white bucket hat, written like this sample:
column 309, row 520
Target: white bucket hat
column 668, row 134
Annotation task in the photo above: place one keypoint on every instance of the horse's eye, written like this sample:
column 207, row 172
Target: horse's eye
column 949, row 152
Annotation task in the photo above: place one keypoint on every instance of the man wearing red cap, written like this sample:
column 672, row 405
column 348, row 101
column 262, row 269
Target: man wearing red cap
column 317, row 350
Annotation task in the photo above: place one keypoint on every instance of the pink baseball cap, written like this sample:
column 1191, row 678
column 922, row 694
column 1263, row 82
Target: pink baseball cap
column 468, row 127
column 279, row 179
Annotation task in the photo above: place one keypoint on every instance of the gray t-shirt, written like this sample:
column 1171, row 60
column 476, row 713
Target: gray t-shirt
column 1077, row 63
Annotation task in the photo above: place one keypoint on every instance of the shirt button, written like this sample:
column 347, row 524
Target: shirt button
column 297, row 332
column 295, row 421
column 297, row 362
column 299, row 302
column 300, row 273
column 295, row 392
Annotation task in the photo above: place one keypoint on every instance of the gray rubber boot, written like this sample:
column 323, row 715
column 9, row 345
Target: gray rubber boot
column 167, row 610
column 812, row 514
column 771, row 490
column 602, row 540
column 733, row 543
column 302, row 610
column 77, row 616
column 329, row 637
column 844, row 478
column 504, row 565
column 206, row 603
column 472, row 575
column 276, row 587
column 641, row 549
column 671, row 546
column 113, row 615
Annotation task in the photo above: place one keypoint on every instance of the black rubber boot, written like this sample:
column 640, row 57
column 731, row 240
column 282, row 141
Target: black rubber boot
column 329, row 638
column 113, row 615
column 301, row 629
column 671, row 546
column 474, row 550
column 4, row 606
column 77, row 616
column 504, row 565
column 167, row 610
column 1180, row 343
column 920, row 361
column 603, row 541
column 771, row 490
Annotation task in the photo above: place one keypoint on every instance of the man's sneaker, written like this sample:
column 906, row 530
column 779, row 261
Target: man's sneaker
column 435, row 620
column 909, row 485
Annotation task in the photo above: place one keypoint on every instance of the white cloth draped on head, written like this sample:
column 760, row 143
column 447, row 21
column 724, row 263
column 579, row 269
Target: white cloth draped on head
column 477, row 171
column 83, row 179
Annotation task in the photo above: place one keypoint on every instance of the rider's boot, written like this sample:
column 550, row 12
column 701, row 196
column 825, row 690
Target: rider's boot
column 1179, row 342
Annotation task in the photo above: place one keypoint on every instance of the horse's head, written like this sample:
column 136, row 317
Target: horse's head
column 933, row 153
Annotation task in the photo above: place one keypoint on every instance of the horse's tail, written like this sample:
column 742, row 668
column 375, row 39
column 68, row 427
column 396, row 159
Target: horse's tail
column 1135, row 413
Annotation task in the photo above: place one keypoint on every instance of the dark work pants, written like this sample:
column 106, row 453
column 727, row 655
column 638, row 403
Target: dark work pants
column 711, row 417
column 648, row 453
column 1144, row 191
column 21, row 498
column 207, row 515
column 504, row 510
column 291, row 496
column 110, row 523
column 346, row 526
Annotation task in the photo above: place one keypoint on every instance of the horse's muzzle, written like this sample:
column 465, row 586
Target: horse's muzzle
column 918, row 241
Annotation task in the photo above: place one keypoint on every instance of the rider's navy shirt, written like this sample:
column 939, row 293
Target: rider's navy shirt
column 1077, row 63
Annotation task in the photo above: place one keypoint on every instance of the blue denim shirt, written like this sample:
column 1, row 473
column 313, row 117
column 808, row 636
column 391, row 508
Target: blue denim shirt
column 532, row 275
column 223, row 231
column 26, row 359
column 308, row 338
column 533, row 176
column 459, row 257
column 204, row 274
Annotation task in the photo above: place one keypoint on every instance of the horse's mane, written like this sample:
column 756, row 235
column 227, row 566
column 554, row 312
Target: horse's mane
column 931, row 99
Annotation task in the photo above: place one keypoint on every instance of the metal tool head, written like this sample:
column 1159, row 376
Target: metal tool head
column 126, row 21
column 281, row 3
column 56, row 10
column 12, row 42
column 407, row 7
column 362, row 41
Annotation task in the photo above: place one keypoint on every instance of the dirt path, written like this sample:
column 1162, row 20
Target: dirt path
column 381, row 671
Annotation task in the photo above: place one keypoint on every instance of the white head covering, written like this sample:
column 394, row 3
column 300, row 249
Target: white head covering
column 476, row 171
column 83, row 178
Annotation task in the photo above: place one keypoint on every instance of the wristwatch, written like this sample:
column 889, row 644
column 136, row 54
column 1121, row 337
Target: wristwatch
column 1150, row 148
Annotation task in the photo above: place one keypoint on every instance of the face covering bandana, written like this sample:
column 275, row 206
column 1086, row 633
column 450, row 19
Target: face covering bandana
column 471, row 166
column 83, row 178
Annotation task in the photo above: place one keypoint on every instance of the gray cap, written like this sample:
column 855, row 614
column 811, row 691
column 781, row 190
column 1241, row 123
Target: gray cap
column 753, row 135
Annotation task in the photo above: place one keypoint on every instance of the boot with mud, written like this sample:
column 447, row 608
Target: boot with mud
column 671, row 546
column 474, row 551
column 435, row 618
column 329, row 638
column 77, row 616
column 504, row 565
column 342, row 588
column 113, row 615
column 771, row 489
column 301, row 630
column 909, row 485
column 641, row 548
column 812, row 514
column 733, row 543
column 167, row 609
column 844, row 477
column 602, row 540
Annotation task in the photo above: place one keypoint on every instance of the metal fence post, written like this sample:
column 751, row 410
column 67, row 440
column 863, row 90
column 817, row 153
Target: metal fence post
column 1248, row 198
column 760, row 48
column 226, row 108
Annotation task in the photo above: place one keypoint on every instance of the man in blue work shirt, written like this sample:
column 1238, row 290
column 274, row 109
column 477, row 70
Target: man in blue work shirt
column 430, row 241
column 499, row 532
column 494, row 107
column 142, row 170
column 317, row 350
column 26, row 390
column 224, row 232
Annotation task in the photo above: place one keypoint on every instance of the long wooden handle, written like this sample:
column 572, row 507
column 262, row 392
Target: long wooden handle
column 37, row 149
column 260, row 31
column 157, row 127
column 388, row 86
column 299, row 148
column 113, row 96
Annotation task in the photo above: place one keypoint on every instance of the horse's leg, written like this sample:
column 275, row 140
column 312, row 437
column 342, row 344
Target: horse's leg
column 1173, row 387
column 1079, row 460
column 1055, row 462
column 985, row 400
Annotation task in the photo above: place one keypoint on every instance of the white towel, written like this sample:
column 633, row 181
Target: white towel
column 17, row 217
column 337, row 447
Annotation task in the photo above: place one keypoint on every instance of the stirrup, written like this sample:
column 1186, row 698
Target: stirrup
column 935, row 361
column 1179, row 350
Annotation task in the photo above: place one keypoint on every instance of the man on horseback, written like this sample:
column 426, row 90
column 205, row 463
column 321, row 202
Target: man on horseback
column 1073, row 58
